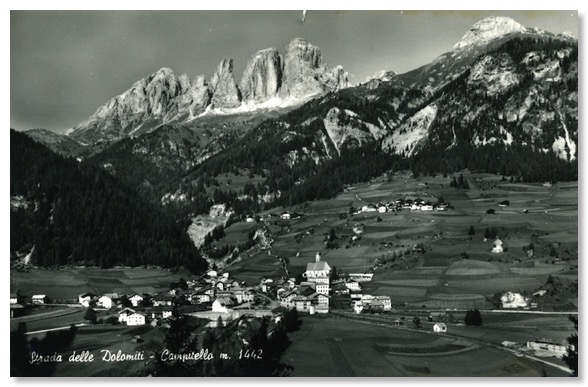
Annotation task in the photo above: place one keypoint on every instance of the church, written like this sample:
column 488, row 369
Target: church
column 318, row 271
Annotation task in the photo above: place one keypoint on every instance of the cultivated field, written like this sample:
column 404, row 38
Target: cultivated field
column 456, row 270
column 330, row 346
column 67, row 284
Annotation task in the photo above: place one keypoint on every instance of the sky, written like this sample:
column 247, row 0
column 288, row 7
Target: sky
column 65, row 64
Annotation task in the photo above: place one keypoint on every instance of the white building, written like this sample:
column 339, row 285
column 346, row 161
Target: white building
column 440, row 327
column 497, row 247
column 85, row 299
column 136, row 300
column 105, row 302
column 317, row 269
column 385, row 300
column 547, row 348
column 353, row 285
column 136, row 318
column 322, row 288
column 39, row 299
column 222, row 304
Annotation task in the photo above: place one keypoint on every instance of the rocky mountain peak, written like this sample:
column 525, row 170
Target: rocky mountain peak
column 305, row 74
column 226, row 94
column 262, row 77
column 489, row 29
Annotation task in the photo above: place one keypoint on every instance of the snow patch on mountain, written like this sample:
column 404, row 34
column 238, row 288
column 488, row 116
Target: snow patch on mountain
column 406, row 138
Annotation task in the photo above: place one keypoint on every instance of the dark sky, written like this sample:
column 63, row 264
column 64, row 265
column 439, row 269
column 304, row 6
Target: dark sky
column 65, row 64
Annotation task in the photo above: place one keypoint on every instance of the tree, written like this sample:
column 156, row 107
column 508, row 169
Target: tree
column 571, row 358
column 90, row 315
column 416, row 322
column 473, row 317
column 125, row 302
column 472, row 231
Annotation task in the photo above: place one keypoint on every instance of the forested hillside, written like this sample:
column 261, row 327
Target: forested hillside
column 73, row 213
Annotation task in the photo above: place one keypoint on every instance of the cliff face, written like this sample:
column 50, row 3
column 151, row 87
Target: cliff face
column 262, row 77
column 305, row 74
column 225, row 93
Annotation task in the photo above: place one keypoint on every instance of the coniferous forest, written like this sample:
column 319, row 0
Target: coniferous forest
column 74, row 213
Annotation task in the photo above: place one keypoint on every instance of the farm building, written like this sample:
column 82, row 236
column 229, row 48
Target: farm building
column 490, row 211
column 548, row 348
column 512, row 300
column 497, row 247
column 39, row 299
column 504, row 203
column 440, row 327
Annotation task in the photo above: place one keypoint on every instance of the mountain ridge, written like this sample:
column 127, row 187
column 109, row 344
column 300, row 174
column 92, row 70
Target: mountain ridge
column 162, row 97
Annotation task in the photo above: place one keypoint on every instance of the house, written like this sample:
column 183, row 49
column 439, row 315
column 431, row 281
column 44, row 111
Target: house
column 107, row 301
column 86, row 299
column 244, row 295
column 440, row 327
column 39, row 299
column 504, row 203
column 137, row 318
column 385, row 300
column 222, row 304
column 136, row 300
column 249, row 219
column 382, row 208
column 427, row 207
column 497, row 247
column 123, row 315
column 369, row 208
column 377, row 305
column 160, row 312
column 212, row 273
column 302, row 303
column 286, row 216
column 163, row 300
column 16, row 298
column 361, row 277
column 490, row 211
column 548, row 348
column 201, row 297
column 353, row 285
column 358, row 307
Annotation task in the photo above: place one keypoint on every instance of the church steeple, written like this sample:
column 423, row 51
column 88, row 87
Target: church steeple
column 318, row 257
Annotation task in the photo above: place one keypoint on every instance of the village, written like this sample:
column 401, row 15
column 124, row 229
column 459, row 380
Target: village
column 220, row 299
